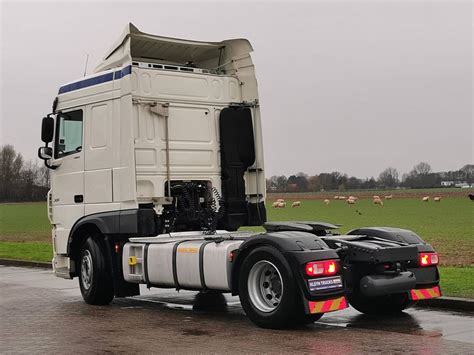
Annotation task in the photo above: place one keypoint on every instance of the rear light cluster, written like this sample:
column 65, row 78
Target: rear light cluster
column 428, row 259
column 322, row 268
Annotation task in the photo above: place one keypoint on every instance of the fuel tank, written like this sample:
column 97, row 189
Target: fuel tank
column 186, row 260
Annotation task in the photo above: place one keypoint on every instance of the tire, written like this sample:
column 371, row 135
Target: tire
column 95, row 279
column 267, row 290
column 390, row 304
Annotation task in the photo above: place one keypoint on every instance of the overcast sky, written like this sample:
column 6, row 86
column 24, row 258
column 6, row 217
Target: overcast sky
column 352, row 86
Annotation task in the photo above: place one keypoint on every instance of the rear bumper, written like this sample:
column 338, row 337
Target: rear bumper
column 380, row 285
column 412, row 281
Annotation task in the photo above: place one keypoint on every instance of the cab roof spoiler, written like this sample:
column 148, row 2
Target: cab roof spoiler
column 134, row 45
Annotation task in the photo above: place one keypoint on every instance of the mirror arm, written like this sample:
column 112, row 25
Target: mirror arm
column 52, row 167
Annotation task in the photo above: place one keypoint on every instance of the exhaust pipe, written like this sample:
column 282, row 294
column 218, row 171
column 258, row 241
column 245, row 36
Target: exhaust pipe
column 381, row 285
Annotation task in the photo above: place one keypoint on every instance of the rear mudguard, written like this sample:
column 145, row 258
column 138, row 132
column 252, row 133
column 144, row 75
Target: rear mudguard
column 298, row 248
column 390, row 233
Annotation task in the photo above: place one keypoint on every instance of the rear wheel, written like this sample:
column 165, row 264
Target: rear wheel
column 95, row 279
column 267, row 290
column 389, row 304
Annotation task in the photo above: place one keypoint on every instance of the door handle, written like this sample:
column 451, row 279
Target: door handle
column 78, row 198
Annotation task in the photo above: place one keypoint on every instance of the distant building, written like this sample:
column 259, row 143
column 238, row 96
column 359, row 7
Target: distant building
column 447, row 183
column 461, row 184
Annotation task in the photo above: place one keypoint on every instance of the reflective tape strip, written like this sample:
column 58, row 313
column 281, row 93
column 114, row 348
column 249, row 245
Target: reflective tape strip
column 415, row 295
column 315, row 307
column 327, row 305
column 425, row 293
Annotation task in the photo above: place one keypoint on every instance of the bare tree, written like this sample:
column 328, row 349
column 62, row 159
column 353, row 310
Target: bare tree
column 42, row 176
column 388, row 177
column 421, row 169
column 8, row 166
column 20, row 180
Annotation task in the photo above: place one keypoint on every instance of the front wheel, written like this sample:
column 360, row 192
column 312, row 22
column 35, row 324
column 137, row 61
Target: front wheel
column 95, row 279
column 267, row 290
column 389, row 304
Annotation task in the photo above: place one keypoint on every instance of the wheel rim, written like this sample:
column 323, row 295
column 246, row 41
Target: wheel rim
column 265, row 286
column 86, row 269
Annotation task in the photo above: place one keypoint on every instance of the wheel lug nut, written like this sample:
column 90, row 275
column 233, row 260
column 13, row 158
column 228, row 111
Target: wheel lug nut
column 269, row 297
column 266, row 284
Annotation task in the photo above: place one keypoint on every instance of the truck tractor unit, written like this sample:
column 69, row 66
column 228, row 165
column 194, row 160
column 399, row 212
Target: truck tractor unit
column 156, row 161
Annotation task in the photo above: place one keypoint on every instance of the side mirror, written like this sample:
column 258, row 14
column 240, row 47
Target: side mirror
column 45, row 153
column 47, row 129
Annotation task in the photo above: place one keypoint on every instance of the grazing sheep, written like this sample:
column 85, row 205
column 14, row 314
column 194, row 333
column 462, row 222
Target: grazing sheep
column 378, row 201
column 296, row 204
column 425, row 199
column 388, row 197
column 353, row 198
column 280, row 200
column 326, row 201
column 336, row 197
column 351, row 201
column 342, row 198
column 375, row 197
column 437, row 199
column 471, row 197
column 275, row 204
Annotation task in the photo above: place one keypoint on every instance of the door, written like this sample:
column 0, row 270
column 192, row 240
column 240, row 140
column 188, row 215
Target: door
column 67, row 179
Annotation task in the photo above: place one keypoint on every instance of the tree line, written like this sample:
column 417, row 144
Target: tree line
column 21, row 180
column 421, row 176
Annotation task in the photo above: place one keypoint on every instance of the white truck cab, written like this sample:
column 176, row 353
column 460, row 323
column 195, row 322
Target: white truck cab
column 148, row 126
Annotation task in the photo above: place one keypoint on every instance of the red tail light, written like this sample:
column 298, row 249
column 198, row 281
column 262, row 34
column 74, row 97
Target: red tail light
column 322, row 268
column 428, row 259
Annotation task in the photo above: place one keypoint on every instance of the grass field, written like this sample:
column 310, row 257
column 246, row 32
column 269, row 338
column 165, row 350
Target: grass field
column 24, row 222
column 25, row 232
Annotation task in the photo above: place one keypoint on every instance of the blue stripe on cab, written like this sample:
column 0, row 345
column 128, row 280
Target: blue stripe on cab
column 96, row 80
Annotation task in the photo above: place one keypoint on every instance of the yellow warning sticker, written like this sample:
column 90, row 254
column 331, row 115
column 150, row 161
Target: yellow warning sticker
column 187, row 250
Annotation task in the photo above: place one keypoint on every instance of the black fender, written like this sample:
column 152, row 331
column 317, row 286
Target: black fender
column 110, row 227
column 126, row 223
column 394, row 234
column 389, row 233
column 297, row 248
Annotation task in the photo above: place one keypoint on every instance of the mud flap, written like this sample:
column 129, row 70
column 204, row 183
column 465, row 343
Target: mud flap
column 425, row 293
column 330, row 305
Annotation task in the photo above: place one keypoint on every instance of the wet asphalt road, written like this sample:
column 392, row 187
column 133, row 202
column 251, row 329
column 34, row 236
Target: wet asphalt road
column 40, row 313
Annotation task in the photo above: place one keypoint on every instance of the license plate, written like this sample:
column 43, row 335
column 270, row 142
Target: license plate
column 326, row 283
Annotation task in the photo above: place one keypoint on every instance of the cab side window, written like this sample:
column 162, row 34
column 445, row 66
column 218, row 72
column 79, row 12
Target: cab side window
column 68, row 133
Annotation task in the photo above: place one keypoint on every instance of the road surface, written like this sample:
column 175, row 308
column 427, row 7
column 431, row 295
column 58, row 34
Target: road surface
column 40, row 313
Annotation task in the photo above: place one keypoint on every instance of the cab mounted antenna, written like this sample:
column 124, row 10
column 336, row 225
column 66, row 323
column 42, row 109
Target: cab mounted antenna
column 85, row 68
